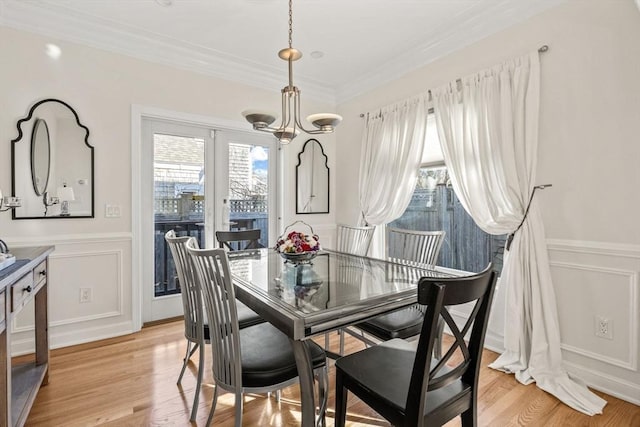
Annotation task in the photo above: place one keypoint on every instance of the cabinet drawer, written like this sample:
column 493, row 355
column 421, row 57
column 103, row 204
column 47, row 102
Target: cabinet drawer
column 21, row 292
column 40, row 272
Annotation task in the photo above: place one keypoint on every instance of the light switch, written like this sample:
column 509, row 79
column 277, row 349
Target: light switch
column 112, row 211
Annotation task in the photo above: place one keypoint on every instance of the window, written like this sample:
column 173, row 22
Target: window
column 435, row 206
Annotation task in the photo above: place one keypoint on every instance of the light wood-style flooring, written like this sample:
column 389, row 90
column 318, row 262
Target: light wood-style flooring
column 131, row 381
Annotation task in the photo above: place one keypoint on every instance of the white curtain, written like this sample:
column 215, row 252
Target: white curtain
column 488, row 130
column 393, row 141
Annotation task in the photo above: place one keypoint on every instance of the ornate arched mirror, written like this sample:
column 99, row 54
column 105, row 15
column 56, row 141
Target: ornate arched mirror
column 52, row 164
column 312, row 179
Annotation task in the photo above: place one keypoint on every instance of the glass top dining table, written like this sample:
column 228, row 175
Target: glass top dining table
column 331, row 291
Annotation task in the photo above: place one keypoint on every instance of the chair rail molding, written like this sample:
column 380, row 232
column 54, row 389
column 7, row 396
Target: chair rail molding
column 68, row 239
column 596, row 248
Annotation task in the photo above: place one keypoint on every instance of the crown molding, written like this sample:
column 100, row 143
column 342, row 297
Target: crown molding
column 53, row 20
column 487, row 19
column 64, row 23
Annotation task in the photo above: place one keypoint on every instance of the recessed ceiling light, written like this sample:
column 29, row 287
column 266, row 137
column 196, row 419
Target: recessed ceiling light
column 165, row 3
column 53, row 51
column 316, row 54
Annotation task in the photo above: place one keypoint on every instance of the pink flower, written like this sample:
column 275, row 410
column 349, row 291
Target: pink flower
column 298, row 242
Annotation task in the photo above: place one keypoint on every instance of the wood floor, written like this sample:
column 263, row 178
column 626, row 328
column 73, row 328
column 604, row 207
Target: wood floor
column 131, row 381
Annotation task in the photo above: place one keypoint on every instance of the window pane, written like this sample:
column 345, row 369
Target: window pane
column 434, row 206
column 178, row 201
column 248, row 188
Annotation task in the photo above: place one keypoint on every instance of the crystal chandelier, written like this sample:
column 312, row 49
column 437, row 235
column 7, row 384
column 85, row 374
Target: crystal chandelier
column 290, row 126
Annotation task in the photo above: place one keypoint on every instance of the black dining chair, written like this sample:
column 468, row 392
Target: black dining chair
column 408, row 386
column 239, row 240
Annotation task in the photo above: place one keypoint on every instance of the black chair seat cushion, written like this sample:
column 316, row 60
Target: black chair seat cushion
column 403, row 323
column 395, row 359
column 246, row 318
column 267, row 356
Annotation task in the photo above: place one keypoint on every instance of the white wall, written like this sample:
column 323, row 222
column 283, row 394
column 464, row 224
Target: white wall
column 102, row 87
column 589, row 151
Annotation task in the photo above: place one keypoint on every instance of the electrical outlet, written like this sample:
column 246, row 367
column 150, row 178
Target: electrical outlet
column 604, row 327
column 85, row 294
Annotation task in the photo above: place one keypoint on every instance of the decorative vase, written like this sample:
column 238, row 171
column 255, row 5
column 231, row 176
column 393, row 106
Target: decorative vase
column 297, row 258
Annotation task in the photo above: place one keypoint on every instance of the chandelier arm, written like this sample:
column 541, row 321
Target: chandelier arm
column 293, row 118
column 268, row 129
column 285, row 109
column 291, row 123
column 297, row 113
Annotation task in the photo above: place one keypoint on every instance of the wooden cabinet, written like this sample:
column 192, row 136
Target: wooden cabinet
column 23, row 282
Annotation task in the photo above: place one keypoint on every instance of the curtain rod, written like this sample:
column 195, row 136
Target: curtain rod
column 541, row 49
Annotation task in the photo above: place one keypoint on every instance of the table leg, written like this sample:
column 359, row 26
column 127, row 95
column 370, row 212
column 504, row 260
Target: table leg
column 305, row 373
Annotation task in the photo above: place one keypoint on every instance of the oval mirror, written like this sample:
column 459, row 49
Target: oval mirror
column 40, row 156
column 52, row 164
column 312, row 179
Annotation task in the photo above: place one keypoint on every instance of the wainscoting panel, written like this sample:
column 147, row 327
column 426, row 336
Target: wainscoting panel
column 604, row 293
column 65, row 306
column 100, row 264
column 599, row 281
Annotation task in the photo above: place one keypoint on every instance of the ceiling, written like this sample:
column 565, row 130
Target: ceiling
column 365, row 42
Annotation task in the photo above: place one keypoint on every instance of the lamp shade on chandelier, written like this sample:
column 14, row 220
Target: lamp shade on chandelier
column 290, row 125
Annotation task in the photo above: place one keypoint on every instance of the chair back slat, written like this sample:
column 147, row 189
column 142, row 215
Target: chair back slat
column 419, row 247
column 354, row 240
column 439, row 294
column 212, row 267
column 189, row 287
column 251, row 237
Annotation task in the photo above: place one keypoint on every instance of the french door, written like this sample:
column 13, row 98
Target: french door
column 197, row 180
column 246, row 182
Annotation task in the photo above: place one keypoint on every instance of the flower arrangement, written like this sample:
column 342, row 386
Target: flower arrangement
column 297, row 242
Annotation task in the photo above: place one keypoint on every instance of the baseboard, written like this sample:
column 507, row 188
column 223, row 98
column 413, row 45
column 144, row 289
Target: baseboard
column 162, row 321
column 494, row 342
column 613, row 386
column 78, row 336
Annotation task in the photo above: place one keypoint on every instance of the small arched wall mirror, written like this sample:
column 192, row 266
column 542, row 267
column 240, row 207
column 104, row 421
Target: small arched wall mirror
column 312, row 179
column 52, row 164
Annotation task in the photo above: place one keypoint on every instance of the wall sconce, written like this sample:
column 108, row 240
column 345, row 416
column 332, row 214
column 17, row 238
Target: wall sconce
column 9, row 202
column 6, row 203
column 65, row 195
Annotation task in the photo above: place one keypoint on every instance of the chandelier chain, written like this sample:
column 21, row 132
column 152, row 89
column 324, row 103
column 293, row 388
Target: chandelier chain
column 290, row 23
column 291, row 124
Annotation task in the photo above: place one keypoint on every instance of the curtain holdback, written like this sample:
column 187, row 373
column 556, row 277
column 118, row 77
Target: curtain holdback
column 526, row 212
